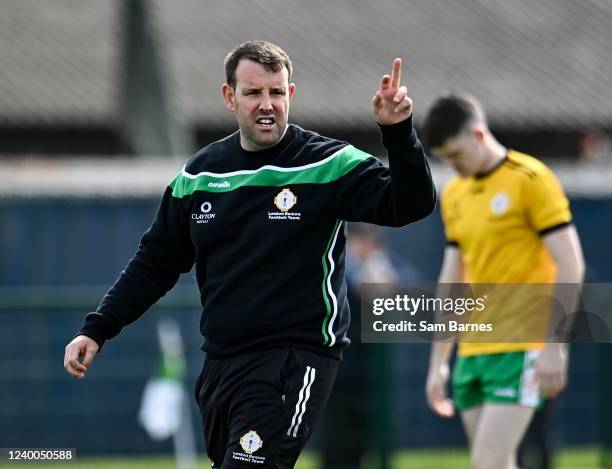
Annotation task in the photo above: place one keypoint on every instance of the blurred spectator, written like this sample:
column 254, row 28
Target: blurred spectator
column 368, row 259
column 595, row 146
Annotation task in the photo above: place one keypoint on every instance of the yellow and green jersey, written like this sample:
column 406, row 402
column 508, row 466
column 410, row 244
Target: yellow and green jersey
column 497, row 221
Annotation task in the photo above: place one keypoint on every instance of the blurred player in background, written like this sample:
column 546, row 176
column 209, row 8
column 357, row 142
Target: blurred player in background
column 506, row 220
column 262, row 215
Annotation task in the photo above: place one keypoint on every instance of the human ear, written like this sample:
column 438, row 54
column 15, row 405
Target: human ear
column 291, row 90
column 228, row 97
column 479, row 132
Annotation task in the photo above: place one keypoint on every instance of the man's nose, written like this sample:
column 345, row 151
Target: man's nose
column 266, row 103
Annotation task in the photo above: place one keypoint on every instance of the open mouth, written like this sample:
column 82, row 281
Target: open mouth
column 265, row 122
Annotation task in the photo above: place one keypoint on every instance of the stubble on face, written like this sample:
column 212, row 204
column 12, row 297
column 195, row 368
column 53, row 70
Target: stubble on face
column 261, row 105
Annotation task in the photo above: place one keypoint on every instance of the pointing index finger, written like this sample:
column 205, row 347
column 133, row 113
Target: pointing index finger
column 396, row 73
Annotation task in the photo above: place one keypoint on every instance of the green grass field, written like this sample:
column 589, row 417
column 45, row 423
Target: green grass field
column 583, row 458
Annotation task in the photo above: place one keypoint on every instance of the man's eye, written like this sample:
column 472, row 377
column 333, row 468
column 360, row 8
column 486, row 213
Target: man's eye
column 281, row 92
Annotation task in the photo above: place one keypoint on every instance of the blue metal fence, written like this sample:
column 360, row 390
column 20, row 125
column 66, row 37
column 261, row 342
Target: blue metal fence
column 73, row 243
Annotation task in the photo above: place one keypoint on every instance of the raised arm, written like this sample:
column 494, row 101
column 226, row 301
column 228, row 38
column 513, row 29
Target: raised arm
column 402, row 193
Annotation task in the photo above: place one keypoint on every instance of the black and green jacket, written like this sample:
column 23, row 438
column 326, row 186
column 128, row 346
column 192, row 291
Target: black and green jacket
column 266, row 231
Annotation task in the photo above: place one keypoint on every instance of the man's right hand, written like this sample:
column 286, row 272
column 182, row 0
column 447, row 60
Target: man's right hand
column 435, row 390
column 79, row 356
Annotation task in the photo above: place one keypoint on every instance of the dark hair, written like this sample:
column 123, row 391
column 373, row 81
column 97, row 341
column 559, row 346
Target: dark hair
column 448, row 117
column 271, row 56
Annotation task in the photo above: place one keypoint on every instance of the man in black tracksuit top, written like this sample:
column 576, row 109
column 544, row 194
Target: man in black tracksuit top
column 262, row 213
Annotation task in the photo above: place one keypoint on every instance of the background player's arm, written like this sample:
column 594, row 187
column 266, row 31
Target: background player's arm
column 439, row 370
column 564, row 247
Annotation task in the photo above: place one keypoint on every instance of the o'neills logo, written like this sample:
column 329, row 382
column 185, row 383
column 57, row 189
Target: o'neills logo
column 223, row 184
